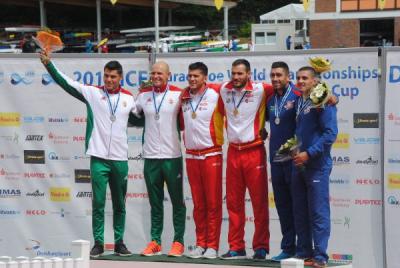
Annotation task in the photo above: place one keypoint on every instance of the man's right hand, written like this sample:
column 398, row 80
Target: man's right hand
column 44, row 57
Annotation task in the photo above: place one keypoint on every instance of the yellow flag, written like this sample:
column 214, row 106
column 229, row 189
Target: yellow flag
column 219, row 4
column 306, row 4
column 113, row 1
column 381, row 4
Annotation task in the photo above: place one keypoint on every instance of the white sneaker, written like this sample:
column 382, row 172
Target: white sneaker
column 196, row 253
column 210, row 254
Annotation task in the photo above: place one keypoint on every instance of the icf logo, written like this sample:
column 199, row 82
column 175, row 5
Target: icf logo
column 47, row 79
column 26, row 78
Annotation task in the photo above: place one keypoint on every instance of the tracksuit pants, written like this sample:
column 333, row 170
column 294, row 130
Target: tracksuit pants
column 281, row 175
column 205, row 179
column 311, row 211
column 156, row 173
column 246, row 168
column 114, row 173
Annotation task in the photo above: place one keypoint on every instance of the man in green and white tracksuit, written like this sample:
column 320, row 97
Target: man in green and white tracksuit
column 108, row 109
column 160, row 104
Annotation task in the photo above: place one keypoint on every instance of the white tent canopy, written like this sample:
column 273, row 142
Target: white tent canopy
column 288, row 12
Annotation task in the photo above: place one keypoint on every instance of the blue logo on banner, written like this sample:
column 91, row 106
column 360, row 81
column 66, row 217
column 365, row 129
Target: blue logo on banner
column 393, row 200
column 27, row 79
column 47, row 79
column 394, row 74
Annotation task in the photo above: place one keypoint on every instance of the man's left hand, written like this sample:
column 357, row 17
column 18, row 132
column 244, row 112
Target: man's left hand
column 301, row 158
column 333, row 100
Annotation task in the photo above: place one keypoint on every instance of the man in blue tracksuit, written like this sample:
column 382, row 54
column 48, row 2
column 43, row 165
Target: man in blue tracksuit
column 316, row 130
column 281, row 114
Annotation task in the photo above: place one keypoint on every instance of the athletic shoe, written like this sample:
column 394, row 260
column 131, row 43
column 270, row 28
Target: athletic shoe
column 152, row 249
column 121, row 250
column 234, row 255
column 97, row 250
column 196, row 253
column 319, row 264
column 177, row 249
column 307, row 260
column 260, row 254
column 210, row 254
column 283, row 255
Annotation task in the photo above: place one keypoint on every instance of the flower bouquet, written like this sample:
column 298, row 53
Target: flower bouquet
column 287, row 150
column 320, row 95
column 48, row 40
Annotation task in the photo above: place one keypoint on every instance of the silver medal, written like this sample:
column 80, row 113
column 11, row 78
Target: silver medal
column 112, row 118
column 277, row 120
column 157, row 117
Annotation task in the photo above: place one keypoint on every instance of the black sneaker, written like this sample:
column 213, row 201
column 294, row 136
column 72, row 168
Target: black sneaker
column 260, row 254
column 121, row 250
column 97, row 250
column 234, row 255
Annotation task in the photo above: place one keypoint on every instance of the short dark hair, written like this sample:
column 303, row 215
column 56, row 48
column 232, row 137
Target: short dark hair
column 199, row 66
column 114, row 65
column 309, row 69
column 280, row 64
column 245, row 62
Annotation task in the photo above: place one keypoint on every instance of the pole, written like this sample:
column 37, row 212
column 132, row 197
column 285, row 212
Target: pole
column 42, row 14
column 98, row 12
column 226, row 26
column 156, row 21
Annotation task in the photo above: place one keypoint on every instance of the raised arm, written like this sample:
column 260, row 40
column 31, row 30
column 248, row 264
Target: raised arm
column 72, row 87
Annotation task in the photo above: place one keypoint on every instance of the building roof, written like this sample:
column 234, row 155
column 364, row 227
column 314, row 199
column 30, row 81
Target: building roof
column 144, row 3
column 288, row 12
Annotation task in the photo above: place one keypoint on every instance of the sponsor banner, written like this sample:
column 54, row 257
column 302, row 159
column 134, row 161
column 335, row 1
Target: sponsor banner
column 34, row 157
column 393, row 181
column 392, row 158
column 10, row 119
column 366, row 120
column 61, row 120
column 342, row 141
column 82, row 175
column 61, row 194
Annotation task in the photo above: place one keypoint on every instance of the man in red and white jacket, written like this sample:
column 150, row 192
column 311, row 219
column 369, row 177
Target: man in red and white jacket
column 203, row 138
column 244, row 102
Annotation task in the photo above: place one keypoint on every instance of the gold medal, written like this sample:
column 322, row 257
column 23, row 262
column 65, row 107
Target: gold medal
column 235, row 112
column 194, row 115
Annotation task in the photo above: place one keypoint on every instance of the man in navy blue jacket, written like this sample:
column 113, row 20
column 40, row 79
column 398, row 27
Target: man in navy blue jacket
column 316, row 130
column 281, row 114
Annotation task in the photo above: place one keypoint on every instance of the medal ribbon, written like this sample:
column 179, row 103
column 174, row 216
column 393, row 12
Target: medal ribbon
column 302, row 106
column 279, row 107
column 197, row 106
column 113, row 110
column 162, row 100
column 240, row 101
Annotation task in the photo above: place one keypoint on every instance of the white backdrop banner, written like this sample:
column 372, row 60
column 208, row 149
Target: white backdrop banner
column 392, row 158
column 44, row 175
column 355, row 183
